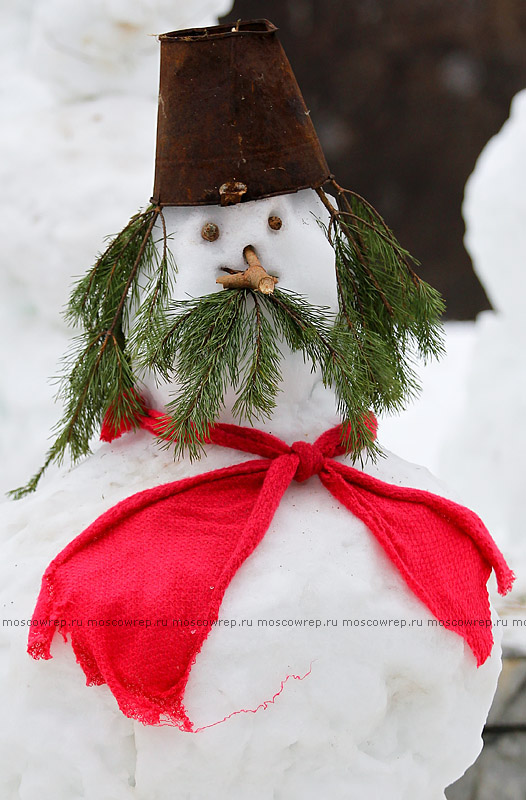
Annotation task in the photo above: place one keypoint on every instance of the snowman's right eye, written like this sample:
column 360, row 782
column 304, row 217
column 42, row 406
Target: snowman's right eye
column 210, row 231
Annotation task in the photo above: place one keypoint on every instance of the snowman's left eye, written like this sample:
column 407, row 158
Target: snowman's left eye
column 210, row 231
column 274, row 222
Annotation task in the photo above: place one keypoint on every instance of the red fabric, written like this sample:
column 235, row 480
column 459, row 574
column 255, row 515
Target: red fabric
column 170, row 553
column 113, row 426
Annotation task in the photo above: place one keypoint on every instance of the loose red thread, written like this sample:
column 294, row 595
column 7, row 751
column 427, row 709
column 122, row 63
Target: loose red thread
column 264, row 705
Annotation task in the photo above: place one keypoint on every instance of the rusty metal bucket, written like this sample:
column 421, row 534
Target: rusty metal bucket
column 232, row 123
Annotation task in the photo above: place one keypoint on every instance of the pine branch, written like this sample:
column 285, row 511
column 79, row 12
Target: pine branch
column 242, row 349
column 197, row 344
column 97, row 373
column 95, row 297
column 328, row 344
column 159, row 271
column 393, row 316
column 262, row 377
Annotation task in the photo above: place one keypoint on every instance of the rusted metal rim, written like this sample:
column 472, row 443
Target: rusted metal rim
column 252, row 26
column 232, row 123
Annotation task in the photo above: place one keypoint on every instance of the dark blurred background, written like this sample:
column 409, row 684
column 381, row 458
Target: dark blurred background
column 404, row 95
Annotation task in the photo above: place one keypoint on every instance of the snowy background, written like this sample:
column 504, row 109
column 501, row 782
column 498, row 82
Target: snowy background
column 78, row 84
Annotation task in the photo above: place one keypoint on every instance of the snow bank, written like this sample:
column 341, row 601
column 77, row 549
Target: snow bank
column 484, row 452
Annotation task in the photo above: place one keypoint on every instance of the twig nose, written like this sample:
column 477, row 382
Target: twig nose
column 254, row 277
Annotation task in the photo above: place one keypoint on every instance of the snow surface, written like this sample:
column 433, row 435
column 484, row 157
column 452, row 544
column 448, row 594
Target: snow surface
column 483, row 453
column 387, row 712
column 109, row 46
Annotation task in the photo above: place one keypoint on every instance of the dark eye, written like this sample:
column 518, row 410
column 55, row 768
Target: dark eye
column 210, row 231
column 274, row 222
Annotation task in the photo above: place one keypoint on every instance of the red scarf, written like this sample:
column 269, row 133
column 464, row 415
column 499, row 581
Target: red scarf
column 170, row 553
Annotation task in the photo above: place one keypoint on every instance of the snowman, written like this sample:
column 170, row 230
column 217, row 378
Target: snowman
column 274, row 619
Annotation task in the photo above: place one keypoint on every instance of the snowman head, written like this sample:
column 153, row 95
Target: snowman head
column 283, row 231
column 235, row 141
column 239, row 178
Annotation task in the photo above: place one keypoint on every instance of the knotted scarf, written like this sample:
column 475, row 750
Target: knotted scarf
column 170, row 553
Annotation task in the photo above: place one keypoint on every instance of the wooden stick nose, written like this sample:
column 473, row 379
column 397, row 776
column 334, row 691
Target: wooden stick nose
column 254, row 277
column 250, row 256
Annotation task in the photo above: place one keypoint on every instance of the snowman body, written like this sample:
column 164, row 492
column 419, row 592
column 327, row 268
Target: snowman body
column 325, row 675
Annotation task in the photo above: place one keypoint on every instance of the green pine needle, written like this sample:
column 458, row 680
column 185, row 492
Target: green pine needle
column 197, row 345
column 393, row 316
column 238, row 335
column 97, row 373
column 262, row 376
column 329, row 345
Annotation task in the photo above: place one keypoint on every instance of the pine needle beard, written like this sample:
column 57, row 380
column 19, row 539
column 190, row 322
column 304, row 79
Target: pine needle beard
column 235, row 341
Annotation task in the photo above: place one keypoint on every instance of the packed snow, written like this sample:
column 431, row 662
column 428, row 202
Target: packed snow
column 482, row 455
